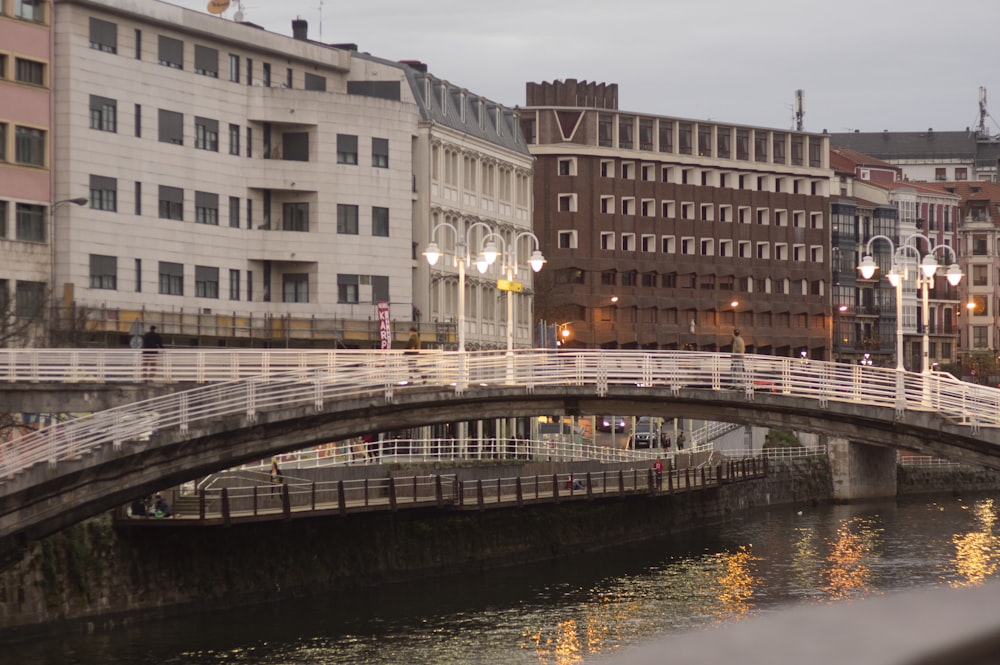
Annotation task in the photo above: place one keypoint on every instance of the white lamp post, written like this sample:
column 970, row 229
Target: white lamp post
column 433, row 253
column 510, row 263
column 925, row 279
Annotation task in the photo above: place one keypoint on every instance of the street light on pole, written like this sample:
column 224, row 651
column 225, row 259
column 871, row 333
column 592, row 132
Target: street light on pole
column 510, row 263
column 433, row 253
column 925, row 279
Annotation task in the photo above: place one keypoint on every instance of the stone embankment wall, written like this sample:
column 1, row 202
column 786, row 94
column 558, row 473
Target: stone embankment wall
column 94, row 576
column 946, row 478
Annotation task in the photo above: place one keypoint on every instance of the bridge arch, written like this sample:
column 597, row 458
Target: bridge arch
column 71, row 471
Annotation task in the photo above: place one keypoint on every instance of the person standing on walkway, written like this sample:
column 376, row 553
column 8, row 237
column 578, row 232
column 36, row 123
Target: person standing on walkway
column 658, row 470
column 737, row 370
column 277, row 477
column 413, row 349
column 151, row 345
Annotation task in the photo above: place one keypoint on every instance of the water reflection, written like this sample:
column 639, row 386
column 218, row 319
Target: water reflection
column 976, row 551
column 569, row 611
column 849, row 562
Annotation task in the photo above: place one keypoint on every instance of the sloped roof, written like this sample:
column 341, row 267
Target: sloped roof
column 442, row 102
column 850, row 156
column 909, row 145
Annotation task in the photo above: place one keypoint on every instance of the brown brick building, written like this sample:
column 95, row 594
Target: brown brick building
column 664, row 233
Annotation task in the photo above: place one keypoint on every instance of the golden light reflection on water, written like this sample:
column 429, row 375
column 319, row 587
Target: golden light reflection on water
column 719, row 585
column 848, row 570
column 736, row 583
column 977, row 551
column 722, row 586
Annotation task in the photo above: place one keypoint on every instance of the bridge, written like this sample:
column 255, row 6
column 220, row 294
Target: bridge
column 64, row 473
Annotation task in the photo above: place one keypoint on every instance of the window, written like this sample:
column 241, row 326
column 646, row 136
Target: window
column 380, row 288
column 171, row 127
column 666, row 136
column 30, row 10
column 206, row 134
column 206, row 282
column 567, row 203
column 138, row 120
column 3, row 223
column 980, row 275
column 234, row 284
column 295, row 287
column 206, row 61
column 567, row 240
column 295, row 217
column 29, row 71
column 234, row 212
column 138, row 275
column 103, row 114
column 347, row 219
column 628, row 242
column 607, row 240
column 103, row 272
column 234, row 139
column 567, row 166
column 206, row 208
column 171, row 278
column 380, row 153
column 234, row 72
column 295, row 146
column 30, row 222
column 29, row 299
column 570, row 276
column 137, row 198
column 103, row 35
column 609, row 278
column 380, row 222
column 347, row 288
column 171, row 203
column 171, row 52
column 647, row 242
column 315, row 82
column 3, row 142
column 29, row 146
column 3, row 66
column 249, row 141
column 347, row 149
column 288, row 77
column 103, row 193
column 267, row 74
column 249, row 82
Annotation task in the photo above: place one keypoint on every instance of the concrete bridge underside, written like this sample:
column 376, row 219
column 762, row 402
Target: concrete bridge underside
column 46, row 499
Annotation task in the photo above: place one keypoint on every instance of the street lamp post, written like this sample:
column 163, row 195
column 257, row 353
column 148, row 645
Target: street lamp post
column 510, row 263
column 433, row 253
column 925, row 278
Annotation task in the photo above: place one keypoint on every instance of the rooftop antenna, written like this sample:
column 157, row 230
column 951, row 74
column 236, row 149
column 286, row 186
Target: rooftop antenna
column 981, row 131
column 800, row 109
column 321, row 20
column 239, row 15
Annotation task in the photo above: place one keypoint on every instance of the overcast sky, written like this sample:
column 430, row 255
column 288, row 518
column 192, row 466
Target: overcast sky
column 869, row 65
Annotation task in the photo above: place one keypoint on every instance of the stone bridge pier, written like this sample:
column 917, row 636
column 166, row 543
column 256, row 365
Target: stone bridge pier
column 861, row 471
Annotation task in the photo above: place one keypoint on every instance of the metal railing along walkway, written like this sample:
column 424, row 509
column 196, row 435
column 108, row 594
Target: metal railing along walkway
column 328, row 377
column 254, row 501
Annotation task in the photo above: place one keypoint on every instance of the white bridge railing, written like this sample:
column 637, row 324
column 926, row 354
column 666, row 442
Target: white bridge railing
column 251, row 383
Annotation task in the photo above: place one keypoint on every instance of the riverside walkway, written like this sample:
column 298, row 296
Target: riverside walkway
column 244, row 495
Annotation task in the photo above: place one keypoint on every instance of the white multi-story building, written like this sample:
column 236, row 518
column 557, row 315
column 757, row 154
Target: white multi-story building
column 250, row 188
column 473, row 177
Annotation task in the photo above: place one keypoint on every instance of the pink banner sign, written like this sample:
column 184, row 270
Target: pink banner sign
column 384, row 327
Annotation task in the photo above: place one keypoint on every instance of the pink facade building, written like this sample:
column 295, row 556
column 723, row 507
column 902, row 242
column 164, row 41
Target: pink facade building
column 25, row 161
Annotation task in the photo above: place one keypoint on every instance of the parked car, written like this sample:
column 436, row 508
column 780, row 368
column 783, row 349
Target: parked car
column 604, row 423
column 645, row 435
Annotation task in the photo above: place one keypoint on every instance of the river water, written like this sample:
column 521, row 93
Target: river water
column 583, row 607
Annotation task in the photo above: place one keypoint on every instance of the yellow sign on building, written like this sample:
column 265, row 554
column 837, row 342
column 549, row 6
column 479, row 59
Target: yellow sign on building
column 508, row 285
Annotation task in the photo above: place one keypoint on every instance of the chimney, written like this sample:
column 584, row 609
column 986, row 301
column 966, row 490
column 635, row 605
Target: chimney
column 300, row 29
